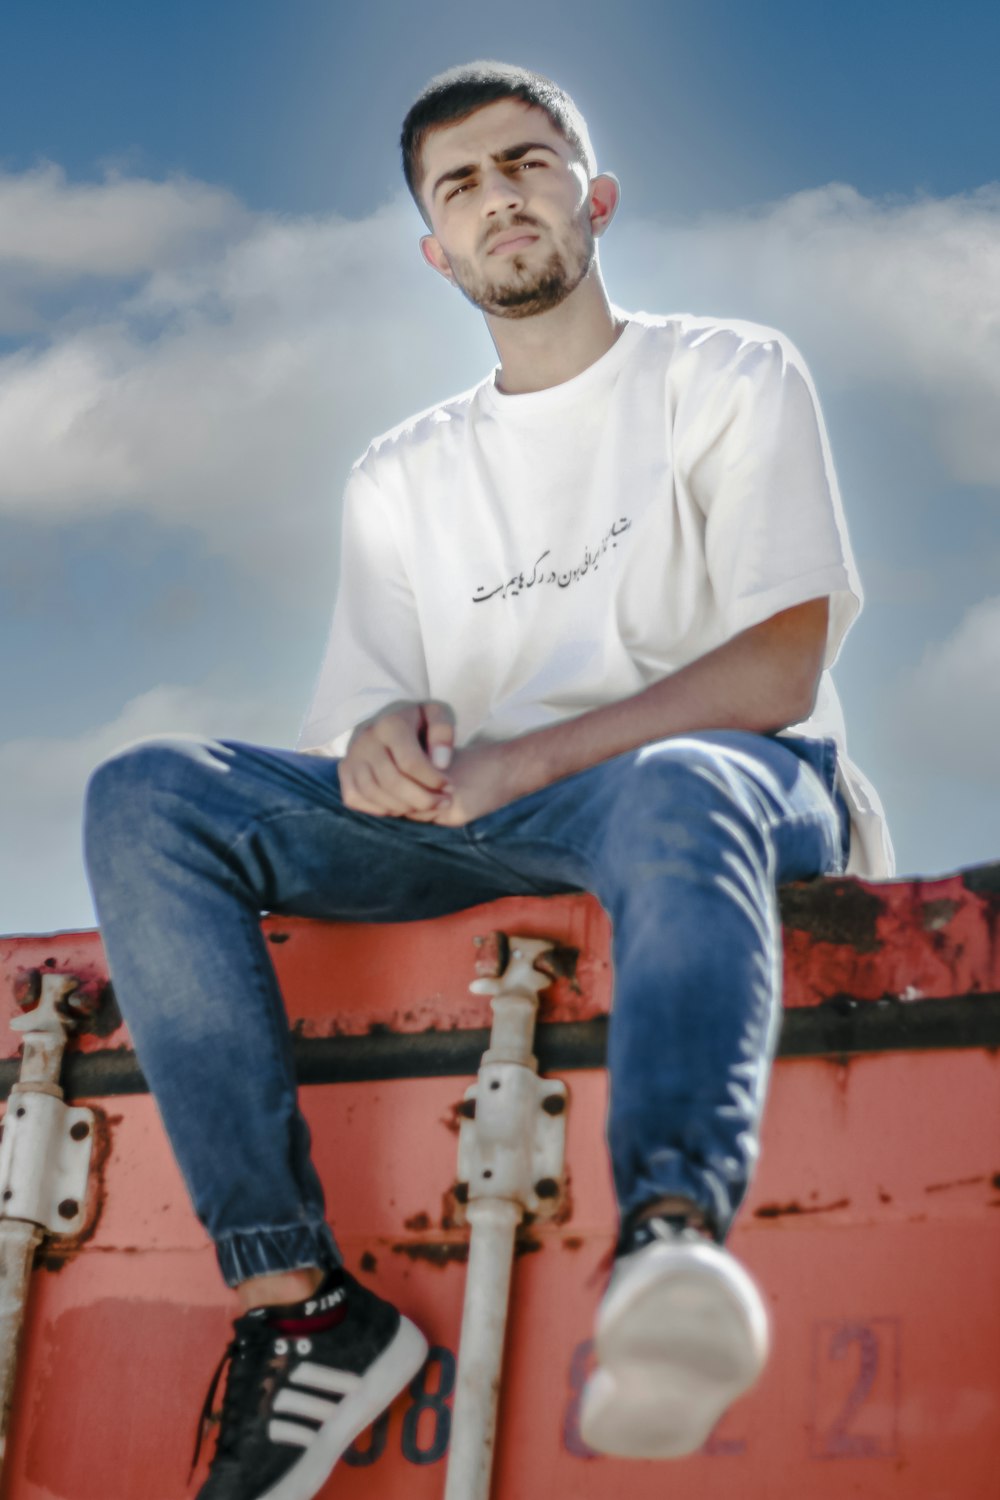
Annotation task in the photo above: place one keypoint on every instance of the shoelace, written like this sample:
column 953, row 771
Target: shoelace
column 243, row 1356
column 659, row 1227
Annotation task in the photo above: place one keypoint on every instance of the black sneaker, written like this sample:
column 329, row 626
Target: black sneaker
column 303, row 1382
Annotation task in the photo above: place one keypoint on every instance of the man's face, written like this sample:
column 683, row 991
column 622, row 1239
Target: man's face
column 509, row 208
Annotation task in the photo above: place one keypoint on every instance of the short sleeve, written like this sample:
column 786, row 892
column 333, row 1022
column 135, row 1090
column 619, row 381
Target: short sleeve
column 756, row 457
column 374, row 655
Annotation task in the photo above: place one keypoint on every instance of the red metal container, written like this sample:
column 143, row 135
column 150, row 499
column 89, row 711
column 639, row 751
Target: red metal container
column 872, row 1226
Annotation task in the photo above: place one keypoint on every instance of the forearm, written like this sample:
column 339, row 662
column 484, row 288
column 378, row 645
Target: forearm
column 761, row 680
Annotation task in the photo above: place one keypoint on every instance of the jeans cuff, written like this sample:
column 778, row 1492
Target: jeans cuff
column 244, row 1253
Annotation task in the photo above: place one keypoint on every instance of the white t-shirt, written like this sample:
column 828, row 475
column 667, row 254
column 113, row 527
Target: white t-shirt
column 528, row 557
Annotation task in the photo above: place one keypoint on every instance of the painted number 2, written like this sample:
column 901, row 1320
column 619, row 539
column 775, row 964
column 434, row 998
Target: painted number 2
column 855, row 1389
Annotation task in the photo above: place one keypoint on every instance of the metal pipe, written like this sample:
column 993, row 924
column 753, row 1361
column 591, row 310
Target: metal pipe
column 18, row 1242
column 484, row 1324
column 509, row 1141
column 44, row 1163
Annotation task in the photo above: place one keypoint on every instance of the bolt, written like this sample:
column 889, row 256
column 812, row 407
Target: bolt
column 494, row 1083
column 554, row 1104
column 69, row 1208
column 488, row 1172
column 20, row 1112
column 467, row 1109
column 547, row 1188
column 461, row 1192
column 8, row 1194
column 80, row 1130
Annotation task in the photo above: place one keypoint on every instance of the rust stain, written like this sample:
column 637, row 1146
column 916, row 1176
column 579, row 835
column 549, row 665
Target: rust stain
column 418, row 1221
column 572, row 1242
column 782, row 1210
column 278, row 937
column 942, row 1187
column 451, row 1216
column 937, row 914
column 438, row 1253
column 883, row 1196
column 841, row 912
column 368, row 1261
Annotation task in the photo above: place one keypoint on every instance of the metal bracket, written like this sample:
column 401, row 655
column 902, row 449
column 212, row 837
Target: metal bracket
column 47, row 1144
column 512, row 1137
column 45, row 1161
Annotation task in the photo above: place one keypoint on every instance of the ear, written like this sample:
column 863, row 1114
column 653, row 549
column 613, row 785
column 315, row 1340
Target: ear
column 430, row 249
column 605, row 195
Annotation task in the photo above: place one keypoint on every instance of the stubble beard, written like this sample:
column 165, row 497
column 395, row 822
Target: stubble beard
column 520, row 291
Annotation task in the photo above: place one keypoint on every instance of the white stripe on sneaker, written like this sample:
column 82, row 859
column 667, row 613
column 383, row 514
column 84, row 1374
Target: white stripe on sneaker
column 321, row 1378
column 299, row 1404
column 290, row 1432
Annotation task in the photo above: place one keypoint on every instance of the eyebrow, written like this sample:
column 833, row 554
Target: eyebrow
column 511, row 153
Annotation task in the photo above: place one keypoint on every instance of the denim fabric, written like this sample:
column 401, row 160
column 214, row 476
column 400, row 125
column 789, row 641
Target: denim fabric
column 683, row 842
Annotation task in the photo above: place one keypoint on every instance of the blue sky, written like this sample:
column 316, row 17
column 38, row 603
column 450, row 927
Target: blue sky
column 210, row 300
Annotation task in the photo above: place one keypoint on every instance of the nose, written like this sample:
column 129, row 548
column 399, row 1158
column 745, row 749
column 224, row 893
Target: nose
column 500, row 193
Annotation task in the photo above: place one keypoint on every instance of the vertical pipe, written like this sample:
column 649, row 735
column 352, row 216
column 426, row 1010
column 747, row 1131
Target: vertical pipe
column 18, row 1242
column 484, row 1321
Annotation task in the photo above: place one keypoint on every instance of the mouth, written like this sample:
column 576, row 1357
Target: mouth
column 509, row 244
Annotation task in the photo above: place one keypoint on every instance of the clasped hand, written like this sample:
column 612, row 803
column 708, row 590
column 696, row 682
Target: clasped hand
column 403, row 764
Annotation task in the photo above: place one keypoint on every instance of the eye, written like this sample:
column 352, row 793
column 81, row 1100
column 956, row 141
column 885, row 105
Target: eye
column 461, row 188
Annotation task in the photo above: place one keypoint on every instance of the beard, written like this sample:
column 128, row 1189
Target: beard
column 521, row 290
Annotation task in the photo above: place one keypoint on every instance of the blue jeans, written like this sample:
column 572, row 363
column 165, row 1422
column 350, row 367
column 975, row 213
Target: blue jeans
column 683, row 842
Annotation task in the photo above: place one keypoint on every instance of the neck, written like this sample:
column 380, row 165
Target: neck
column 552, row 347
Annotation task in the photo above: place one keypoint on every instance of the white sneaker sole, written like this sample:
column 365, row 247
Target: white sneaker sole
column 390, row 1373
column 681, row 1333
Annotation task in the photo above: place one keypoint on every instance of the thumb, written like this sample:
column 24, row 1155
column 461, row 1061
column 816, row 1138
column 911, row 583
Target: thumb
column 439, row 734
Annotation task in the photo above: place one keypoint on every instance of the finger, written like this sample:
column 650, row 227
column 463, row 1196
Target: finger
column 401, row 739
column 352, row 798
column 439, row 733
column 412, row 795
column 372, row 789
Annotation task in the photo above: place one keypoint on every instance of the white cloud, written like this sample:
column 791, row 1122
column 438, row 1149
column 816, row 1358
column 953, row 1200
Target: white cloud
column 42, row 783
column 232, row 392
column 54, row 229
column 945, row 716
column 233, row 388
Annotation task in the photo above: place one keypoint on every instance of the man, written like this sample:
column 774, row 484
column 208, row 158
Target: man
column 580, row 642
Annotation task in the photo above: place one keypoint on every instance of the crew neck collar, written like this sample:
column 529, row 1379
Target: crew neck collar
column 525, row 403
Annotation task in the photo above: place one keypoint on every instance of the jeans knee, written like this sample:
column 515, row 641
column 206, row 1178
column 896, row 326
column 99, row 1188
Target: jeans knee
column 680, row 796
column 119, row 793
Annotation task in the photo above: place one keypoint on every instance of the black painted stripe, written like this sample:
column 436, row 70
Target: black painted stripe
column 839, row 1028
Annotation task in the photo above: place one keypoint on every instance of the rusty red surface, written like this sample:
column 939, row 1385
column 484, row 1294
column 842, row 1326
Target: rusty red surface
column 906, row 939
column 873, row 1227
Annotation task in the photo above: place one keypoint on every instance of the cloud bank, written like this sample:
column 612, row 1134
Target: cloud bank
column 232, row 388
column 42, row 784
column 946, row 712
column 233, row 365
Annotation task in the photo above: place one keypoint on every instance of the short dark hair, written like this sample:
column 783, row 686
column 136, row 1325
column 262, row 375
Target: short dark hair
column 458, row 93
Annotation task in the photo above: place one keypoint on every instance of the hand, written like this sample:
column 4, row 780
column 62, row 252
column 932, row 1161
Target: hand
column 395, row 765
column 482, row 778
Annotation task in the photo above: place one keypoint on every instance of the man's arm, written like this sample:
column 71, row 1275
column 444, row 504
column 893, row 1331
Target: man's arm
column 761, row 680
